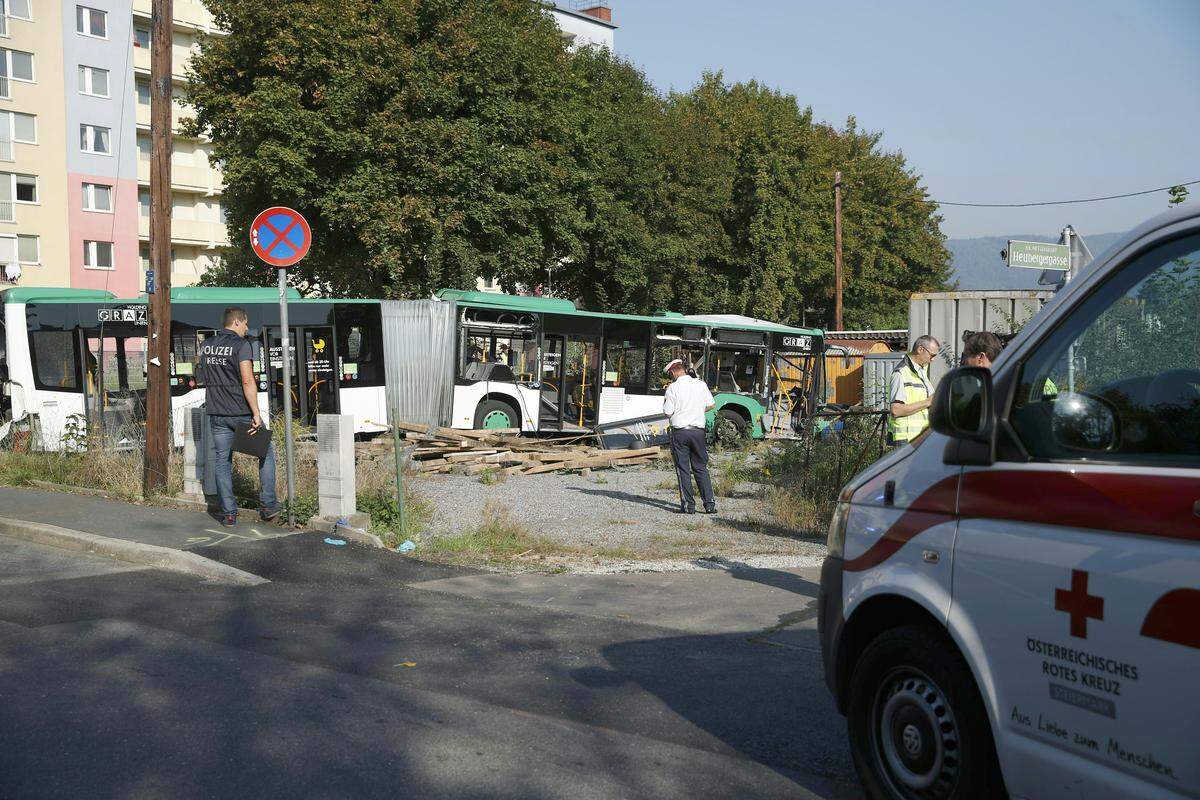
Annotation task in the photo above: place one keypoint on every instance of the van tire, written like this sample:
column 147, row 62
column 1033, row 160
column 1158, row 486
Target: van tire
column 488, row 412
column 940, row 745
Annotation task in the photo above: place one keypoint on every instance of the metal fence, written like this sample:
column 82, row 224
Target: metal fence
column 419, row 358
column 857, row 438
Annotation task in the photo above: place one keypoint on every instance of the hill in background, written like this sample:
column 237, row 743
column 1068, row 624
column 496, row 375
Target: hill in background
column 976, row 263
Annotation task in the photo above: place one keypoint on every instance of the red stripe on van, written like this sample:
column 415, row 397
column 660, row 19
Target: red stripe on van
column 1151, row 505
column 932, row 507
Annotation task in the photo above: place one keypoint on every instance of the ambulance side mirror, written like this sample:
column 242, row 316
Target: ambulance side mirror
column 1087, row 422
column 963, row 406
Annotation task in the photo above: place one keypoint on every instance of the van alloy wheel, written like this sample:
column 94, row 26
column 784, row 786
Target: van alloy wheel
column 915, row 736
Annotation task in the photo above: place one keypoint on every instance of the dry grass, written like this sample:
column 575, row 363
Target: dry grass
column 118, row 472
column 499, row 536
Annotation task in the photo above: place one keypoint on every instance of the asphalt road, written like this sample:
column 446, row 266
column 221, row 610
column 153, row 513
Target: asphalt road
column 342, row 679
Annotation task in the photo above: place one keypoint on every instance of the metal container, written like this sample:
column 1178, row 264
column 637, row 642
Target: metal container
column 946, row 315
column 877, row 375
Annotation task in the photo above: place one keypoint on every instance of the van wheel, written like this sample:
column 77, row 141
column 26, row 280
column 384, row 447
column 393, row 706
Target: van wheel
column 918, row 729
column 495, row 414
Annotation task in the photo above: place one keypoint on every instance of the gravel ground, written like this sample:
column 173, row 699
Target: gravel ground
column 622, row 520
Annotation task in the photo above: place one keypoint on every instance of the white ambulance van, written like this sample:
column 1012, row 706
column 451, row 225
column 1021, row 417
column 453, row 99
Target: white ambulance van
column 1011, row 604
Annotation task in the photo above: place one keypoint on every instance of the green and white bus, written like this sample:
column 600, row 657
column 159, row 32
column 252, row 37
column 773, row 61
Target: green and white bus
column 74, row 360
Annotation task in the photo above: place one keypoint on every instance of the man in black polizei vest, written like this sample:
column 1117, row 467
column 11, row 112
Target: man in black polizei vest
column 231, row 397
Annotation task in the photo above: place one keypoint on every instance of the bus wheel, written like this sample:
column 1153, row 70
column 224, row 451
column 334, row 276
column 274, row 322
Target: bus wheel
column 730, row 428
column 918, row 729
column 494, row 415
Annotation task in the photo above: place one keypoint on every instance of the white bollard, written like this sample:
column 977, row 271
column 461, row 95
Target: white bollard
column 193, row 453
column 335, row 466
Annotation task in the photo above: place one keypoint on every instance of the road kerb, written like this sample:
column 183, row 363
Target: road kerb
column 149, row 555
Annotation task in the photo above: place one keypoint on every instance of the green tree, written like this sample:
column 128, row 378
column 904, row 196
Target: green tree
column 750, row 211
column 427, row 141
column 617, row 184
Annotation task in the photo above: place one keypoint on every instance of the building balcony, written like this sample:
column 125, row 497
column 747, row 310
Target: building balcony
column 186, row 13
column 178, row 114
column 180, row 56
column 204, row 180
column 189, row 231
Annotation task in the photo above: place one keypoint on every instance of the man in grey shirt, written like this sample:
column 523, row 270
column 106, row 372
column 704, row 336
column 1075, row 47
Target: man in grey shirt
column 231, row 398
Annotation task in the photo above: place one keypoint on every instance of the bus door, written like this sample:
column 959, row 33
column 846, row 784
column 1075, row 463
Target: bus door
column 320, row 378
column 581, row 373
column 551, row 379
column 314, row 383
column 570, row 371
column 114, row 358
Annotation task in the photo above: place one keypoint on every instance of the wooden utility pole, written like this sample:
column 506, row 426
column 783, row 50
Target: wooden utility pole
column 158, row 367
column 837, row 251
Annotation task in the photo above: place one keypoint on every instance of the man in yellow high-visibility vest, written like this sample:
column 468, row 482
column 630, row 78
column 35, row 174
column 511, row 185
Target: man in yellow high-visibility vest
column 911, row 392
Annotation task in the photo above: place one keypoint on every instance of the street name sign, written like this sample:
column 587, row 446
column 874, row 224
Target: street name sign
column 1038, row 255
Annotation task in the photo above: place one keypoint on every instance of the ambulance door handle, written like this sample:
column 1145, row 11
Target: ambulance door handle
column 1196, row 508
column 889, row 493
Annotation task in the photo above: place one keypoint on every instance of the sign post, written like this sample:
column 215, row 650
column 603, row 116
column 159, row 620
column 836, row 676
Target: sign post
column 281, row 237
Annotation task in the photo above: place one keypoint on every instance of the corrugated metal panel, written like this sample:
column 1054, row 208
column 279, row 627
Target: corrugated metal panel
column 946, row 315
column 877, row 374
column 419, row 359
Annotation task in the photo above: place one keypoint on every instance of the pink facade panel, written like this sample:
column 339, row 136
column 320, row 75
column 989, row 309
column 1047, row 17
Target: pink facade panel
column 120, row 226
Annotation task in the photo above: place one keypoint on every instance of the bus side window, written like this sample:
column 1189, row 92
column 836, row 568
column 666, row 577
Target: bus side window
column 55, row 360
column 360, row 356
column 185, row 360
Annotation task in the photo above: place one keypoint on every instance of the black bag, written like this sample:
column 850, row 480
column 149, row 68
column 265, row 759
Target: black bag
column 252, row 442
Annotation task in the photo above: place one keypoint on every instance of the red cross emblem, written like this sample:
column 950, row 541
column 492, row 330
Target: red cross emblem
column 1078, row 603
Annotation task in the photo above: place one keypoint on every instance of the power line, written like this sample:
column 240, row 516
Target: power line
column 1067, row 202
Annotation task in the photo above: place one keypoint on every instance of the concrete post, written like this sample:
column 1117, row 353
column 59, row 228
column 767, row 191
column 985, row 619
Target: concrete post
column 193, row 453
column 336, row 487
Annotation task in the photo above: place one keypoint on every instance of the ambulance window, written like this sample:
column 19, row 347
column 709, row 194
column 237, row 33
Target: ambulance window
column 1119, row 380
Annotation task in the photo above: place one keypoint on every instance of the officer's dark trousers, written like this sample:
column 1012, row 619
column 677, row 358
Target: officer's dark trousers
column 690, row 451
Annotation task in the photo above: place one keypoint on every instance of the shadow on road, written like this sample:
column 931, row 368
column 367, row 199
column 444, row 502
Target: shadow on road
column 161, row 686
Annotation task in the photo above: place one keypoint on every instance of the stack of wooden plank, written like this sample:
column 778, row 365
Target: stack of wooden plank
column 433, row 449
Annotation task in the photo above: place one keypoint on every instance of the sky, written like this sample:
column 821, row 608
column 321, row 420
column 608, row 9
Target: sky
column 993, row 101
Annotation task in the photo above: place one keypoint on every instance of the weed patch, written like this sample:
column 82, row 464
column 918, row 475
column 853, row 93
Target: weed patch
column 499, row 536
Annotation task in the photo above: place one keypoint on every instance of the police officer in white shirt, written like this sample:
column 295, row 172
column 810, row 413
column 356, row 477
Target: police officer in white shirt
column 686, row 402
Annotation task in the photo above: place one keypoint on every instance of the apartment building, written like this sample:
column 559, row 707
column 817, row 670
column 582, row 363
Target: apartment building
column 75, row 147
column 75, row 141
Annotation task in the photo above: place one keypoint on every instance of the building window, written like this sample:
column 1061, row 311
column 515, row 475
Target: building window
column 144, row 202
column 25, row 188
column 143, row 93
column 97, row 197
column 93, row 81
column 16, row 65
column 141, row 36
column 16, row 127
column 18, row 9
column 24, row 127
column 29, row 249
column 94, row 139
column 144, row 256
column 97, row 255
column 91, row 22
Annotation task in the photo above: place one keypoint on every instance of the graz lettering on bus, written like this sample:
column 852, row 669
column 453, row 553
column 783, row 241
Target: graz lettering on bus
column 798, row 342
column 132, row 314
